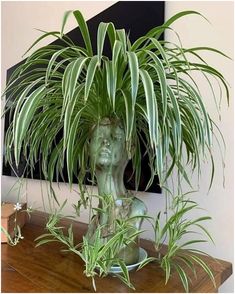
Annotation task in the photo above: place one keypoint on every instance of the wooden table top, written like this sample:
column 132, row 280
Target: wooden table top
column 46, row 269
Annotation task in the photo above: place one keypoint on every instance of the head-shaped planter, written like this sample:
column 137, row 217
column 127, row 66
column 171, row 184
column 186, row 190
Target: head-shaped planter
column 109, row 158
column 107, row 146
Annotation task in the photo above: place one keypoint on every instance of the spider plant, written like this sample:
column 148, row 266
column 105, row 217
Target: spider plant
column 98, row 257
column 177, row 227
column 180, row 256
column 149, row 85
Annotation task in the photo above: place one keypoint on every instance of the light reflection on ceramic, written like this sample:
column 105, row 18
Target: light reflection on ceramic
column 142, row 255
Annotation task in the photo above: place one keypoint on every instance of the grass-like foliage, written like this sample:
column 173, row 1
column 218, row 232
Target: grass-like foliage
column 63, row 91
column 97, row 255
column 177, row 227
column 66, row 89
column 179, row 256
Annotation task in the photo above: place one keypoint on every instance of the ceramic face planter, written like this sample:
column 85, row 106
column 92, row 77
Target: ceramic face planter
column 107, row 148
column 109, row 158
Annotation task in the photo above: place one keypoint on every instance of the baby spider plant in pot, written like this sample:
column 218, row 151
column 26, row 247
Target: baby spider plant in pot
column 106, row 107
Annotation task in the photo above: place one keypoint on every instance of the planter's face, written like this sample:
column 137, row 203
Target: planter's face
column 107, row 146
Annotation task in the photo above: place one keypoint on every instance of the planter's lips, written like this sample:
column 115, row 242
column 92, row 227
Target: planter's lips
column 105, row 151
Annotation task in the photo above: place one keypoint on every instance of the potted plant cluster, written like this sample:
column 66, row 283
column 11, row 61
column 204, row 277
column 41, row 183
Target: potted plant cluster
column 106, row 107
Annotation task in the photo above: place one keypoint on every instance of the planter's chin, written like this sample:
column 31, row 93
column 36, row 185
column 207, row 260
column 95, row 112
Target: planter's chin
column 104, row 160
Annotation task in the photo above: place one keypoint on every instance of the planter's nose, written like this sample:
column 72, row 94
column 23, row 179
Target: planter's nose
column 106, row 142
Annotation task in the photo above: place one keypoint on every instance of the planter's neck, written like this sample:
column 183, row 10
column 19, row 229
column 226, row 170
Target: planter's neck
column 110, row 182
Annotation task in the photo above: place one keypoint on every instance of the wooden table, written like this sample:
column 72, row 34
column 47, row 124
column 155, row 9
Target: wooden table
column 45, row 269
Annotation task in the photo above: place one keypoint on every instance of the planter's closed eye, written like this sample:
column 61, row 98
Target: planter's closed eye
column 118, row 137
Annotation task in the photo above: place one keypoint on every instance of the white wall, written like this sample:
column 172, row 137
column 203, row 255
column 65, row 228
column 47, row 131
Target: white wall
column 219, row 34
column 19, row 18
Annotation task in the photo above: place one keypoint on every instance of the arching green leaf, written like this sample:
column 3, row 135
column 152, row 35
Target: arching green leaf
column 84, row 30
column 24, row 118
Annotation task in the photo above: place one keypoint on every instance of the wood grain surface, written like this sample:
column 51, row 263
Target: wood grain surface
column 45, row 269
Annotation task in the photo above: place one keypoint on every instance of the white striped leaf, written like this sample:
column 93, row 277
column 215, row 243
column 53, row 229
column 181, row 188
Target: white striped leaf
column 20, row 102
column 71, row 145
column 69, row 112
column 24, row 118
column 110, row 83
column 134, row 70
column 52, row 62
column 102, row 30
column 65, row 18
column 130, row 115
column 84, row 30
column 177, row 118
column 152, row 111
column 90, row 75
column 70, row 79
column 162, row 81
column 122, row 38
